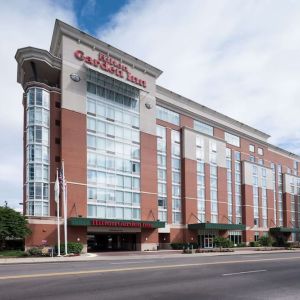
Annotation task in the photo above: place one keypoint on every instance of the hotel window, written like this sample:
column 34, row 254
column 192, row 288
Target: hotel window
column 232, row 139
column 255, row 196
column 264, row 198
column 162, row 173
column 200, row 179
column 113, row 154
column 238, row 194
column 280, row 203
column 260, row 151
column 204, row 128
column 235, row 237
column 251, row 148
column 293, row 208
column 176, row 176
column 295, row 168
column 37, row 152
column 251, row 158
column 273, row 167
column 229, row 183
column 213, row 181
column 167, row 115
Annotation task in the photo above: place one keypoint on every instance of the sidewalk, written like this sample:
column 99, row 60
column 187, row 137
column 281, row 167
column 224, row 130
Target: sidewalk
column 134, row 255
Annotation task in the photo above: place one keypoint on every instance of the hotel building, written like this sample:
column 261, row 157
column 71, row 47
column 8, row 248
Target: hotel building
column 145, row 167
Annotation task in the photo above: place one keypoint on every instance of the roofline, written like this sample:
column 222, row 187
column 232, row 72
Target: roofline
column 212, row 112
column 282, row 151
column 61, row 28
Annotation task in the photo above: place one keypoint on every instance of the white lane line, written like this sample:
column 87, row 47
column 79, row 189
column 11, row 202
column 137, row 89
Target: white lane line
column 246, row 272
column 132, row 262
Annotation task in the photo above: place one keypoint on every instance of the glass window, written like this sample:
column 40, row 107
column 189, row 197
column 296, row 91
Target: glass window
column 232, row 139
column 167, row 115
column 204, row 128
column 91, row 106
column 251, row 148
column 260, row 151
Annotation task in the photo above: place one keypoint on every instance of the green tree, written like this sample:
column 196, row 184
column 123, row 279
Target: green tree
column 12, row 225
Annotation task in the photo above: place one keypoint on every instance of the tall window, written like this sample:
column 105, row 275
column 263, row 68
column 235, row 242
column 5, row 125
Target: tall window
column 113, row 154
column 176, row 177
column 200, row 179
column 280, row 209
column 213, row 181
column 255, row 196
column 274, row 191
column 264, row 198
column 37, row 152
column 162, row 173
column 229, row 183
column 238, row 194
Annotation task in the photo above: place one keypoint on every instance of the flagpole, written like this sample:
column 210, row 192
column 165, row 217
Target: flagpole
column 65, row 207
column 58, row 221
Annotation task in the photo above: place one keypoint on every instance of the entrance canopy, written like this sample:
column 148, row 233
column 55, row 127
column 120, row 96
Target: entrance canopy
column 216, row 226
column 284, row 230
column 115, row 223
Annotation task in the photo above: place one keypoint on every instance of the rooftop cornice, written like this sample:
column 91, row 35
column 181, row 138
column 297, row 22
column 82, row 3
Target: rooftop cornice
column 31, row 53
column 27, row 53
column 62, row 28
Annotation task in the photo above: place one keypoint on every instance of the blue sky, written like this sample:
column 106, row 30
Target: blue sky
column 92, row 15
column 241, row 58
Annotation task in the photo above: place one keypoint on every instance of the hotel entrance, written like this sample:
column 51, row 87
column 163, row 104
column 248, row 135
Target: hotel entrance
column 111, row 242
column 206, row 239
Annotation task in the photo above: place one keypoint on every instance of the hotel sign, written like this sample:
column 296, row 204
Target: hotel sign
column 121, row 224
column 110, row 65
column 76, row 221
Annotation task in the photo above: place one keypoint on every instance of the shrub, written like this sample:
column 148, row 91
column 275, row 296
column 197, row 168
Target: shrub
column 266, row 241
column 222, row 242
column 177, row 246
column 73, row 247
column 180, row 246
column 254, row 244
column 35, row 252
column 241, row 245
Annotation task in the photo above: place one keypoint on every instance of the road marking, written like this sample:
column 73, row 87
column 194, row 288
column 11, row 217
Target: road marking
column 132, row 262
column 87, row 272
column 245, row 272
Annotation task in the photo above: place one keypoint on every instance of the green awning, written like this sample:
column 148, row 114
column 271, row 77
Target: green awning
column 284, row 230
column 217, row 226
column 115, row 223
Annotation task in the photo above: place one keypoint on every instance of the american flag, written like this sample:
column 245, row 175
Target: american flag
column 61, row 177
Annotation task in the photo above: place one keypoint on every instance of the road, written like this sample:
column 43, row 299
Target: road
column 258, row 276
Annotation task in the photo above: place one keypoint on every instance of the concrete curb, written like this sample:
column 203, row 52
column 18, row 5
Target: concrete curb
column 38, row 260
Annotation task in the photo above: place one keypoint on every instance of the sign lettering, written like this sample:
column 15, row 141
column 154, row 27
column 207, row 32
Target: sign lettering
column 110, row 65
column 121, row 224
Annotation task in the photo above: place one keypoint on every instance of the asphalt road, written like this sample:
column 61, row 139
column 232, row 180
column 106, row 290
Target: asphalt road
column 259, row 276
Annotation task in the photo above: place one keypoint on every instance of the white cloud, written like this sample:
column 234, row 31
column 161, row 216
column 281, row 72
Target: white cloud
column 22, row 23
column 239, row 58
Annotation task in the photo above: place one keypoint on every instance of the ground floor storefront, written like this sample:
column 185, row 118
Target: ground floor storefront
column 102, row 235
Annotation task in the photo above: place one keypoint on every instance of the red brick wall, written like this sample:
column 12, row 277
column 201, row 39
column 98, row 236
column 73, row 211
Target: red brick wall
column 74, row 154
column 189, row 191
column 148, row 177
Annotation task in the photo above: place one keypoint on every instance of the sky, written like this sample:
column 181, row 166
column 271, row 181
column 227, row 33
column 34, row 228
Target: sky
column 241, row 58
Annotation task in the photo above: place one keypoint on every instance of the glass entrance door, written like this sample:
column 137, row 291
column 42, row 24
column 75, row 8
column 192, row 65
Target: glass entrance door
column 208, row 241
